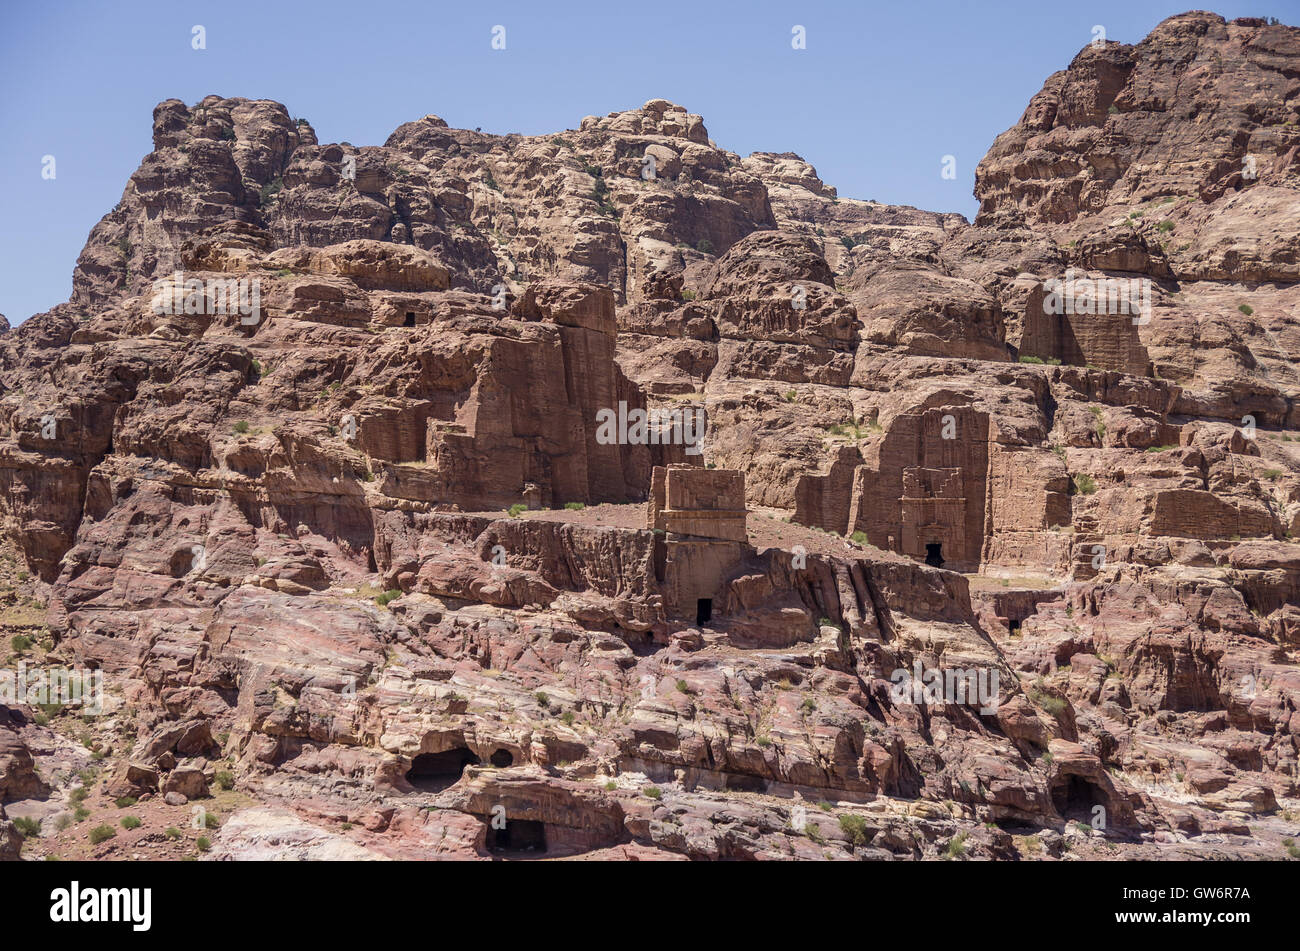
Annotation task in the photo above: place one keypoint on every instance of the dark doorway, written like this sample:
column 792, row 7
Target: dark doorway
column 437, row 771
column 1013, row 628
column 501, row 759
column 519, row 835
column 741, row 782
column 410, row 319
column 703, row 610
column 934, row 554
column 1075, row 798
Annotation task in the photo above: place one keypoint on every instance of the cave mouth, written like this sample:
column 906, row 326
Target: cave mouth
column 934, row 554
column 410, row 319
column 1076, row 797
column 1013, row 628
column 437, row 771
column 501, row 759
column 743, row 782
column 703, row 610
column 518, row 835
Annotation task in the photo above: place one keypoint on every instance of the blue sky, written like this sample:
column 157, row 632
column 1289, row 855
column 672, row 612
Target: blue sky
column 881, row 93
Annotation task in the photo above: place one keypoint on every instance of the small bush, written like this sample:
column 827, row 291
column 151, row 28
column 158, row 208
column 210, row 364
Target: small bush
column 241, row 427
column 203, row 843
column 854, row 828
column 172, row 833
column 210, row 821
column 858, row 537
column 1084, row 484
column 1246, row 309
column 574, row 506
column 515, row 509
column 683, row 687
column 125, row 802
column 390, row 595
column 102, row 833
column 956, row 846
column 20, row 642
column 131, row 822
column 1165, row 226
column 27, row 827
column 225, row 779
column 688, row 295
column 80, row 814
column 1024, row 358
column 567, row 717
column 542, row 699
column 653, row 792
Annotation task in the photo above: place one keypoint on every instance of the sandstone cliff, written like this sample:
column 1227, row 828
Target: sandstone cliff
column 309, row 467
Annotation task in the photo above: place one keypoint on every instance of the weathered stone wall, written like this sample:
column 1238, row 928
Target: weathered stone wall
column 928, row 489
column 1106, row 341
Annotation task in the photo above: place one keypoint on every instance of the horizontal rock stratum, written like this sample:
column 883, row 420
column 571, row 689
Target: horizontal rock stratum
column 654, row 501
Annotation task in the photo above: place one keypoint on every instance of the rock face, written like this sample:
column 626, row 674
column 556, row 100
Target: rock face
column 653, row 493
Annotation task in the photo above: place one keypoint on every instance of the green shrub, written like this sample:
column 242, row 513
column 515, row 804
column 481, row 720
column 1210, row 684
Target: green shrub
column 241, row 427
column 203, row 843
column 27, row 827
column 1165, row 226
column 101, row 833
column 515, row 509
column 860, row 537
column 172, row 833
column 131, row 822
column 390, row 595
column 704, row 246
column 210, row 821
column 225, row 779
column 19, row 643
column 270, row 190
column 688, row 295
column 125, row 802
column 653, row 792
column 1025, row 358
column 1246, row 309
column 956, row 846
column 854, row 828
column 567, row 717
column 574, row 506
column 80, row 814
column 1084, row 484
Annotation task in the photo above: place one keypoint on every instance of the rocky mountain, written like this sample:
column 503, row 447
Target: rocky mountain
column 943, row 538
